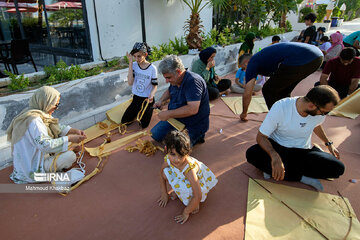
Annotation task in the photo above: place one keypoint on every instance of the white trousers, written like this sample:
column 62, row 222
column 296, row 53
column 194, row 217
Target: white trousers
column 64, row 161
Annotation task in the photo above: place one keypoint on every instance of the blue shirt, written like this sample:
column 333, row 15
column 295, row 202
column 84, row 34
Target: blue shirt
column 192, row 88
column 352, row 37
column 240, row 74
column 268, row 60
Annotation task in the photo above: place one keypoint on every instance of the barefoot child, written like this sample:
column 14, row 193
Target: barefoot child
column 142, row 76
column 190, row 179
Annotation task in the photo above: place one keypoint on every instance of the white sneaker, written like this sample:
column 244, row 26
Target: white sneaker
column 75, row 175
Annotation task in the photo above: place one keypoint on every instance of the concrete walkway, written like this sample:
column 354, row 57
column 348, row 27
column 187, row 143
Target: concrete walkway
column 346, row 28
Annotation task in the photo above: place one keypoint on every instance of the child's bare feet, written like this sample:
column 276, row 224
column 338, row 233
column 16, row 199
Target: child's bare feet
column 173, row 195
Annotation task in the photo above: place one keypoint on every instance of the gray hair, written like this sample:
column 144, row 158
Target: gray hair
column 170, row 64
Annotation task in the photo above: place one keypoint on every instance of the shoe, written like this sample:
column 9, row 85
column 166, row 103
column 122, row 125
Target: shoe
column 75, row 175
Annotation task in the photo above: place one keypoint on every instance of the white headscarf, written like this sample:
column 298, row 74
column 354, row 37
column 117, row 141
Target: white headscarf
column 43, row 100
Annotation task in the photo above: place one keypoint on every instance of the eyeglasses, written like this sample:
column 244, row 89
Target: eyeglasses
column 57, row 105
column 322, row 113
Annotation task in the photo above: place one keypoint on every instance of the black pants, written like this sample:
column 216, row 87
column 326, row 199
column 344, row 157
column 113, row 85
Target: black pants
column 134, row 108
column 223, row 85
column 282, row 83
column 342, row 90
column 298, row 162
column 356, row 50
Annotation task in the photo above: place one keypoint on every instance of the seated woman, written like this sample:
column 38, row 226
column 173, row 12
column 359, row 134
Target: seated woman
column 205, row 67
column 337, row 46
column 239, row 87
column 34, row 134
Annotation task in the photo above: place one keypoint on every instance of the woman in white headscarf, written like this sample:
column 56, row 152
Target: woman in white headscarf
column 34, row 134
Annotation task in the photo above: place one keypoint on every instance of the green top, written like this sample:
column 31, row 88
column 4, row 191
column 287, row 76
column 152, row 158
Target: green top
column 200, row 68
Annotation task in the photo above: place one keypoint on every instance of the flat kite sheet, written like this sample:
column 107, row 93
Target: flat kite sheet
column 109, row 147
column 267, row 218
column 257, row 104
column 348, row 107
column 95, row 131
column 116, row 113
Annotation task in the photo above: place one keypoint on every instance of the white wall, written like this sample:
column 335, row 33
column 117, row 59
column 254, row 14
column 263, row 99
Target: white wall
column 120, row 23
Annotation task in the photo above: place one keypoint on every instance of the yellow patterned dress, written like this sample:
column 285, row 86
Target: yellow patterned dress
column 181, row 185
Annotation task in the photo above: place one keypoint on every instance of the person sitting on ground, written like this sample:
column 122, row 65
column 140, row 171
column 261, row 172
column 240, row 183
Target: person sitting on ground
column 239, row 87
column 353, row 40
column 283, row 150
column 325, row 44
column 142, row 76
column 310, row 31
column 190, row 179
column 275, row 39
column 247, row 46
column 34, row 134
column 286, row 64
column 205, row 67
column 189, row 101
column 318, row 35
column 336, row 40
column 299, row 38
column 344, row 73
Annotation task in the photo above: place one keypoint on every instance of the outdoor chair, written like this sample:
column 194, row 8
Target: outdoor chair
column 20, row 54
column 4, row 54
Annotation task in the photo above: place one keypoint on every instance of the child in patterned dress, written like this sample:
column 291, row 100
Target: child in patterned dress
column 190, row 179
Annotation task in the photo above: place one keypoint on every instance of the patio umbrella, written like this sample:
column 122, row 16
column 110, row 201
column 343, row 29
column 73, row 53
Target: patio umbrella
column 12, row 5
column 23, row 1
column 63, row 5
column 13, row 10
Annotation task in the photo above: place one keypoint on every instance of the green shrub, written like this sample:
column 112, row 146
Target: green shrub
column 336, row 12
column 113, row 63
column 17, row 82
column 267, row 30
column 224, row 37
column 288, row 26
column 159, row 53
column 305, row 11
column 126, row 59
column 179, row 45
column 94, row 71
column 61, row 72
column 321, row 12
column 209, row 39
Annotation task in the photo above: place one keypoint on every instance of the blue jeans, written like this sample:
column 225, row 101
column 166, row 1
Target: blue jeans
column 160, row 130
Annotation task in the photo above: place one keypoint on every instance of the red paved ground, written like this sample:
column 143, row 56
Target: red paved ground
column 120, row 202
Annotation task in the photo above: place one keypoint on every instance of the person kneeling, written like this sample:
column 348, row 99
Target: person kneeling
column 34, row 134
column 284, row 140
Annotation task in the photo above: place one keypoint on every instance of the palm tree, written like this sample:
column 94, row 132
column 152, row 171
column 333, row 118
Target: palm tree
column 282, row 7
column 193, row 24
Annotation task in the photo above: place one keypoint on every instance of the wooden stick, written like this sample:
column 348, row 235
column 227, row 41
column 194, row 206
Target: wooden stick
column 350, row 215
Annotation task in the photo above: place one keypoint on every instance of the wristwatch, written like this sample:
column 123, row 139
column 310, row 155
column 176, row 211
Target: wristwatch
column 328, row 143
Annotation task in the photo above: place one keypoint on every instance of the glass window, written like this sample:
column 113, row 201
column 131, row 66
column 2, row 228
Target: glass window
column 55, row 29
